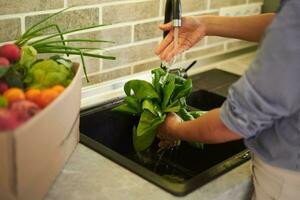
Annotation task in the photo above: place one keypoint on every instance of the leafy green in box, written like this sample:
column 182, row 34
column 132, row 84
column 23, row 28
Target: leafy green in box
column 152, row 102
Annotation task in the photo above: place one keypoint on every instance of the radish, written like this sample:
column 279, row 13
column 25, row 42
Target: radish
column 24, row 110
column 11, row 52
column 8, row 120
column 4, row 61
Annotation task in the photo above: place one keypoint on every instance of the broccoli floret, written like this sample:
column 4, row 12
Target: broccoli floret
column 48, row 73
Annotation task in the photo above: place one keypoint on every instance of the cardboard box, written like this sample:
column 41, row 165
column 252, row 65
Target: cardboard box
column 32, row 155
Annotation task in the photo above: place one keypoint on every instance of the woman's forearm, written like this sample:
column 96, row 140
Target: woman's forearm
column 207, row 129
column 250, row 28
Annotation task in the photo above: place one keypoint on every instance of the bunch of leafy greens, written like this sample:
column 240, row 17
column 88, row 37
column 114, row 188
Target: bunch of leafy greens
column 152, row 102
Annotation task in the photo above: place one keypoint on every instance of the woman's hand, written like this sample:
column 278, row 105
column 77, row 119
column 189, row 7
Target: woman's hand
column 191, row 32
column 167, row 132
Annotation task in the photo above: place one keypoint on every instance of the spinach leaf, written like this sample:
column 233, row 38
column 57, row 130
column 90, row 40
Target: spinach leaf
column 144, row 135
column 126, row 109
column 156, row 79
column 197, row 113
column 183, row 90
column 168, row 90
column 186, row 116
column 134, row 102
column 153, row 107
column 131, row 105
column 173, row 107
column 141, row 89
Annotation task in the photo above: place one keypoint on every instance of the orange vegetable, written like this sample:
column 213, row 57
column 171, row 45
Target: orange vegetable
column 46, row 97
column 58, row 88
column 33, row 95
column 14, row 94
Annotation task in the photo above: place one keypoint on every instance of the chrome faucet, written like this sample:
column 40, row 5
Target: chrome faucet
column 172, row 13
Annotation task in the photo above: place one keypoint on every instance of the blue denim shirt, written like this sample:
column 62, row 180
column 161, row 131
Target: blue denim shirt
column 264, row 104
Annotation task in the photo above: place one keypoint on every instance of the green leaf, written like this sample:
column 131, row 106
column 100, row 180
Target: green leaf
column 153, row 107
column 134, row 102
column 148, row 123
column 173, row 107
column 3, row 70
column 141, row 89
column 185, row 115
column 131, row 105
column 167, row 92
column 141, row 143
column 198, row 113
column 156, row 77
column 198, row 145
column 28, row 56
column 183, row 90
column 14, row 78
column 145, row 134
column 125, row 108
column 66, row 62
column 148, row 105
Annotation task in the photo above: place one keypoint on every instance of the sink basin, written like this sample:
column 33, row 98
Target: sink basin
column 178, row 171
column 205, row 100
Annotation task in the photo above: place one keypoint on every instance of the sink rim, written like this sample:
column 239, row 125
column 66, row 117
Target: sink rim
column 177, row 189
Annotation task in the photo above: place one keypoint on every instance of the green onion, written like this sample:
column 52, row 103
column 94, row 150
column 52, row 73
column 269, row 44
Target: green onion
column 48, row 45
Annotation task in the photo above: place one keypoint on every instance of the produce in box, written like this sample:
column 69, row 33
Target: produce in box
column 29, row 84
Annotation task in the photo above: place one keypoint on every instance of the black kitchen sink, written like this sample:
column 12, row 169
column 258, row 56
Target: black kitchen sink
column 180, row 170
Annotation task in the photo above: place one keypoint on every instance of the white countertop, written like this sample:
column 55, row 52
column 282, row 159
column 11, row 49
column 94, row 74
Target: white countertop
column 88, row 175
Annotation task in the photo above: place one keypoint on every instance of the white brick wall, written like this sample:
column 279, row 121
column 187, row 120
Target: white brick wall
column 133, row 24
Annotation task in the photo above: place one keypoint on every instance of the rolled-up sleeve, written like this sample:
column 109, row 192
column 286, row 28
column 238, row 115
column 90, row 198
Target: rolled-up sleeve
column 270, row 89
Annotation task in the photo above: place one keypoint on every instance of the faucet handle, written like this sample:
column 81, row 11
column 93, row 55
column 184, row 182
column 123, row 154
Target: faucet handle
column 179, row 71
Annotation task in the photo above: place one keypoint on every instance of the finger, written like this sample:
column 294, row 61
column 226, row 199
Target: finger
column 171, row 114
column 166, row 41
column 166, row 27
column 176, row 52
column 167, row 51
column 175, row 116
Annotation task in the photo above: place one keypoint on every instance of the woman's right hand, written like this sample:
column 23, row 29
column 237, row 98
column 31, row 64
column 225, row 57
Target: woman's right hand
column 166, row 132
column 191, row 32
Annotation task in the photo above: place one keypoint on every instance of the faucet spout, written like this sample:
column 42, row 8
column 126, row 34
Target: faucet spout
column 176, row 13
column 173, row 13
